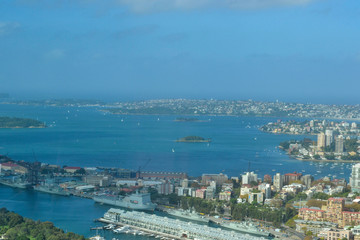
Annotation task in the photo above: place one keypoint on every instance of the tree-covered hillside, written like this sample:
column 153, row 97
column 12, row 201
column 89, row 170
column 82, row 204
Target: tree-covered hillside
column 15, row 227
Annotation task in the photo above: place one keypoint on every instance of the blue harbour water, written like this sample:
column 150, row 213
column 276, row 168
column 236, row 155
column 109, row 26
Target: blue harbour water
column 88, row 137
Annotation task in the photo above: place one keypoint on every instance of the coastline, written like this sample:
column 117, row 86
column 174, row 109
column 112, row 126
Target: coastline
column 326, row 160
column 225, row 115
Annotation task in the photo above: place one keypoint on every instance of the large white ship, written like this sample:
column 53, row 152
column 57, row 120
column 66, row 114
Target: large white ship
column 136, row 201
column 187, row 215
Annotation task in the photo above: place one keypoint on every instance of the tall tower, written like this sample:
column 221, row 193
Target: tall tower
column 321, row 140
column 278, row 181
column 329, row 137
column 339, row 144
column 355, row 178
column 335, row 206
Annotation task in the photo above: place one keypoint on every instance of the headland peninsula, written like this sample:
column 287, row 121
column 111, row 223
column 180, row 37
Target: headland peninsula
column 336, row 141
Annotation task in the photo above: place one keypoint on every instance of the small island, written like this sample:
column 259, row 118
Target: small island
column 182, row 119
column 13, row 122
column 193, row 139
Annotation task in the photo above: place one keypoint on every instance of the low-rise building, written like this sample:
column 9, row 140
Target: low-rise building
column 13, row 167
column 256, row 197
column 200, row 193
column 71, row 169
column 225, row 196
column 316, row 227
column 218, row 178
column 335, row 234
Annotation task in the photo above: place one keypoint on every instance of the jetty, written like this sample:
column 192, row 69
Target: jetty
column 169, row 228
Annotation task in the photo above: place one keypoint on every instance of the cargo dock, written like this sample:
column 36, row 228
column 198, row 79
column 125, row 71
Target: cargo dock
column 169, row 228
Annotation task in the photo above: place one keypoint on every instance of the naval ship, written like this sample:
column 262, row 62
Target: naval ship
column 136, row 201
column 245, row 227
column 50, row 187
column 187, row 215
column 15, row 182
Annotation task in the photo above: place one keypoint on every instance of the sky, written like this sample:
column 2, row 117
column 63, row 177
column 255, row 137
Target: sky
column 290, row 50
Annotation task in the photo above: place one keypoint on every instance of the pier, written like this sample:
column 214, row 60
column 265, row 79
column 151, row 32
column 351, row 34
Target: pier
column 169, row 228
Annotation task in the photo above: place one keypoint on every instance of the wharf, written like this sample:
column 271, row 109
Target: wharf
column 170, row 228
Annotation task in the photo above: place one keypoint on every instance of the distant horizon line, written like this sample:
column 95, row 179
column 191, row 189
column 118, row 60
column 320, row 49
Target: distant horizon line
column 108, row 101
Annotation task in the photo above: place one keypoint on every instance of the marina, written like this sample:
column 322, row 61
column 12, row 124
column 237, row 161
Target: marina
column 168, row 228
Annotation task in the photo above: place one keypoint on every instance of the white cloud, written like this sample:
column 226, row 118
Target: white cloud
column 163, row 5
column 7, row 27
column 55, row 54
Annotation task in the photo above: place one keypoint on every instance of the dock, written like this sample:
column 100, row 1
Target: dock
column 169, row 228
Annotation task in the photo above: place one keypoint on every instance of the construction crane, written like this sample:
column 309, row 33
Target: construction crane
column 144, row 166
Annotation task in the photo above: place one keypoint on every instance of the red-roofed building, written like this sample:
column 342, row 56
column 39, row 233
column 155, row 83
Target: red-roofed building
column 267, row 178
column 290, row 177
column 309, row 214
column 200, row 193
column 13, row 167
column 334, row 213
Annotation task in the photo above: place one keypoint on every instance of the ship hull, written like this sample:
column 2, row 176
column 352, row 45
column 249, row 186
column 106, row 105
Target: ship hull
column 245, row 230
column 52, row 192
column 183, row 216
column 16, row 185
column 134, row 201
column 119, row 203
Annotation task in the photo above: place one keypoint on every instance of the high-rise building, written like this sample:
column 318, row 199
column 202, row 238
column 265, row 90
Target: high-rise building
column 329, row 137
column 307, row 179
column 185, row 183
column 353, row 125
column 266, row 189
column 355, row 178
column 248, row 177
column 339, row 144
column 278, row 181
column 312, row 123
column 321, row 140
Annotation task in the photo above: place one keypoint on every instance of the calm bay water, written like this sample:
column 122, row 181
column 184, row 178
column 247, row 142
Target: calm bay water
column 88, row 137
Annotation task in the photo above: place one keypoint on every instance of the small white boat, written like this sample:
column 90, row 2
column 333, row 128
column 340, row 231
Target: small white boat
column 97, row 237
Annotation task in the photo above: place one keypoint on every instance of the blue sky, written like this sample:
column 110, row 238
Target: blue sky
column 291, row 50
